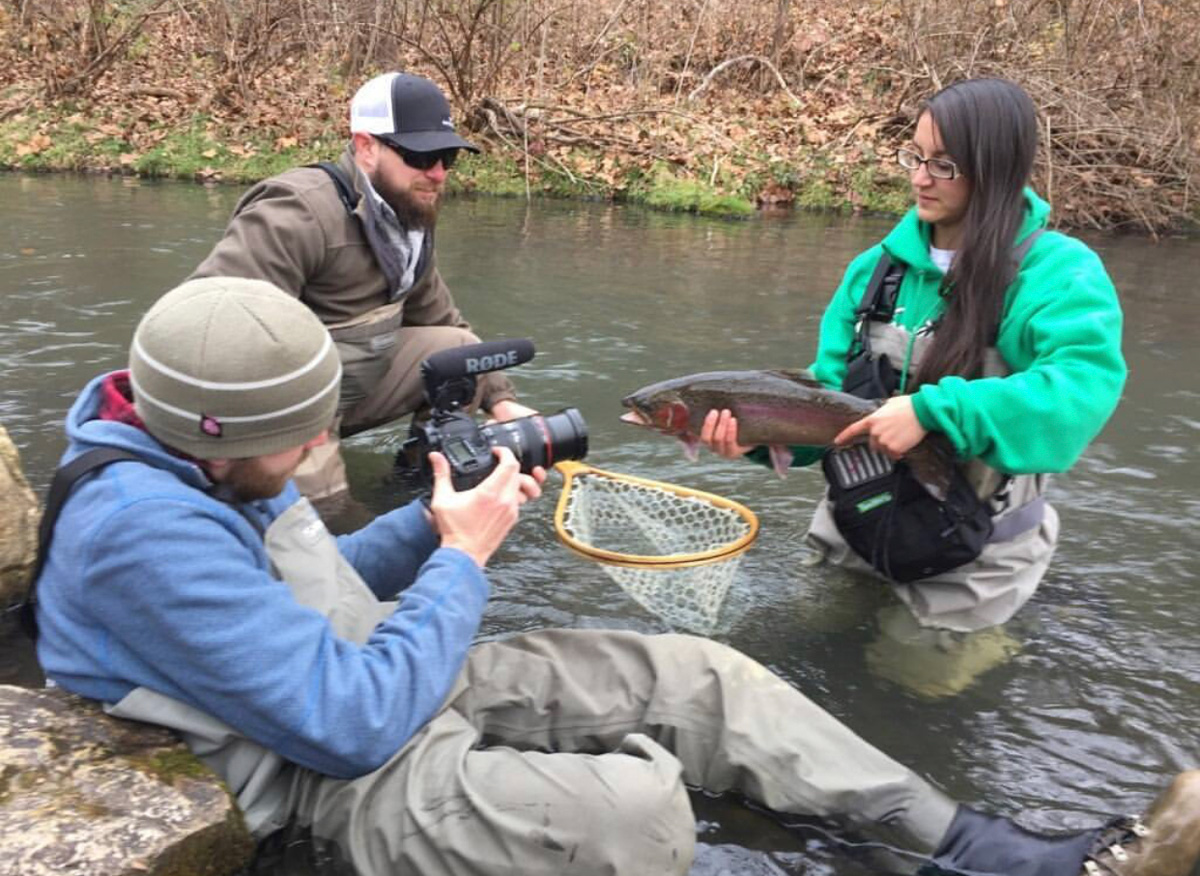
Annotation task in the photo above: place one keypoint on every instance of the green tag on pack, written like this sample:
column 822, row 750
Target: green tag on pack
column 868, row 505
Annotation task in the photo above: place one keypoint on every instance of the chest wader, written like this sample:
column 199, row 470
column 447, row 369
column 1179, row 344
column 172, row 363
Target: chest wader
column 965, row 562
column 306, row 558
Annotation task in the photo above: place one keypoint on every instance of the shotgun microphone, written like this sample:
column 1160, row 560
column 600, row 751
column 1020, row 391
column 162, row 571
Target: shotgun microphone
column 472, row 359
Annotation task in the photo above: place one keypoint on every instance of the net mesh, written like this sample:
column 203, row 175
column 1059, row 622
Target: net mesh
column 674, row 550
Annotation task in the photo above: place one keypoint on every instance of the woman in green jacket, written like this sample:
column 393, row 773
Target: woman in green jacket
column 1002, row 339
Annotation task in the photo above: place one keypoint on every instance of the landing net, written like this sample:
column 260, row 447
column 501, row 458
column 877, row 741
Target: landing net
column 673, row 549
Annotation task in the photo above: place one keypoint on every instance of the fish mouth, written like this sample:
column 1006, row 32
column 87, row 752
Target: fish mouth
column 634, row 418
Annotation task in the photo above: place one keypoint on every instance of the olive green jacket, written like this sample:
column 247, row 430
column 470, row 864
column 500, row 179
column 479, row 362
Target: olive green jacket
column 294, row 231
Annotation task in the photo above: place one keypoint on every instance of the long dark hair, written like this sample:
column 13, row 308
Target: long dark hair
column 989, row 128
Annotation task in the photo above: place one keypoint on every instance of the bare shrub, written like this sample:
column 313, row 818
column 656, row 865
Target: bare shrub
column 728, row 90
column 1117, row 83
column 82, row 40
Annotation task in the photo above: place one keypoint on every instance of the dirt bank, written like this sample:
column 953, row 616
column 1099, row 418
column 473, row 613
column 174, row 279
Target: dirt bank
column 699, row 105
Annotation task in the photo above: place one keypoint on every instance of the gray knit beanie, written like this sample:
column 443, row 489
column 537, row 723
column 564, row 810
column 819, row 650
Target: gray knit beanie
column 226, row 368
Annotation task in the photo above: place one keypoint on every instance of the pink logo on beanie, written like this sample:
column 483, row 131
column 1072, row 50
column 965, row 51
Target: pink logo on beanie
column 210, row 425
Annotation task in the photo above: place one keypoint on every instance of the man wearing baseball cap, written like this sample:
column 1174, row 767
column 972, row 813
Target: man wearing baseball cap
column 189, row 585
column 354, row 241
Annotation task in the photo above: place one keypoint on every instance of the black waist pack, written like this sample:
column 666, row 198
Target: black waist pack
column 895, row 524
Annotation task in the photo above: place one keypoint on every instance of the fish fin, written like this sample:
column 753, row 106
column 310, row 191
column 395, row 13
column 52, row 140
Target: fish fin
column 932, row 464
column 797, row 375
column 691, row 447
column 781, row 459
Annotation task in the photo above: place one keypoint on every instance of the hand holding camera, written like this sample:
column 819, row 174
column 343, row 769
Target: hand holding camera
column 477, row 520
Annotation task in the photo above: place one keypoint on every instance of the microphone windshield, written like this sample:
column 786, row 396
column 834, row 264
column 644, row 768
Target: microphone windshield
column 472, row 359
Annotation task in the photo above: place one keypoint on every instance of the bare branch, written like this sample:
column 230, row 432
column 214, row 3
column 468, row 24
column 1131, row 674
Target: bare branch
column 743, row 59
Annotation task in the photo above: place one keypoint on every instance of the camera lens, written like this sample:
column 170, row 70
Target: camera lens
column 567, row 436
column 539, row 440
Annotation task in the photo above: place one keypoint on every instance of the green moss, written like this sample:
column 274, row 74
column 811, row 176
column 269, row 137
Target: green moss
column 196, row 150
column 15, row 782
column 494, row 174
column 556, row 182
column 184, row 152
column 194, row 153
column 215, row 851
column 69, row 144
column 878, row 191
column 575, row 177
column 662, row 190
column 170, row 764
column 816, row 193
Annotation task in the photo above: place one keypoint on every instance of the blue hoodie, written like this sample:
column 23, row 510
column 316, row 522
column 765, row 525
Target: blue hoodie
column 153, row 583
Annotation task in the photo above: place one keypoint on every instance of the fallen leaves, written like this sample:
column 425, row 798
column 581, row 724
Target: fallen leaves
column 604, row 99
column 34, row 145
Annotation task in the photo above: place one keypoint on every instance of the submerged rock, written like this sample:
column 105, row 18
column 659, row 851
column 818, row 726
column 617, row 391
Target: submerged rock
column 19, row 515
column 81, row 792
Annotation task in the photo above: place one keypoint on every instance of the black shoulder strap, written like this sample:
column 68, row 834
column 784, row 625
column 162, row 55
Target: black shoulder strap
column 879, row 299
column 878, row 303
column 65, row 479
column 345, row 190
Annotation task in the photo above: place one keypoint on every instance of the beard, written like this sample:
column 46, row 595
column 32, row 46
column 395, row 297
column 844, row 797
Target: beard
column 248, row 481
column 413, row 214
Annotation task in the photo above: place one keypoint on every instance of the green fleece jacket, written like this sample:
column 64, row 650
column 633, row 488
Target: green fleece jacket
column 1060, row 334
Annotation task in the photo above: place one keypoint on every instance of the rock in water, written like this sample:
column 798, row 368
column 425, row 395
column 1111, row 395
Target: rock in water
column 19, row 517
column 82, row 792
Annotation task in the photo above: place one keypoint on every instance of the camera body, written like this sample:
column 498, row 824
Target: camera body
column 450, row 381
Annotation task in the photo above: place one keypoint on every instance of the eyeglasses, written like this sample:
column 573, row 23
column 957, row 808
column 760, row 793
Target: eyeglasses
column 423, row 160
column 939, row 168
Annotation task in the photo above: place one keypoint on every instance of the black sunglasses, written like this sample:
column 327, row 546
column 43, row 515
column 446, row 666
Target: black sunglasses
column 423, row 160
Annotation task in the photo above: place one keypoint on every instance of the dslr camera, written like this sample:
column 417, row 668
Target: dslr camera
column 450, row 381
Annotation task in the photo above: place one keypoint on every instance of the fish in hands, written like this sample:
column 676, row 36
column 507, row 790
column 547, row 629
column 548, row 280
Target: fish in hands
column 776, row 409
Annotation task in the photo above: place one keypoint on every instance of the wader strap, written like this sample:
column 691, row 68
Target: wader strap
column 878, row 303
column 1018, row 255
column 64, row 481
column 1022, row 520
column 879, row 300
column 346, row 193
column 1022, row 249
column 869, row 305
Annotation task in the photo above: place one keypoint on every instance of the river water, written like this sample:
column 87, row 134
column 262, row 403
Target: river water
column 1080, row 707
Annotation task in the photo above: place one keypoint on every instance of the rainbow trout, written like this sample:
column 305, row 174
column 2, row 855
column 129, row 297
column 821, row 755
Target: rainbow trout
column 773, row 408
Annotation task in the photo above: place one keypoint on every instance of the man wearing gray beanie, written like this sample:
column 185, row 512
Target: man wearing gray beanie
column 333, row 683
column 353, row 241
